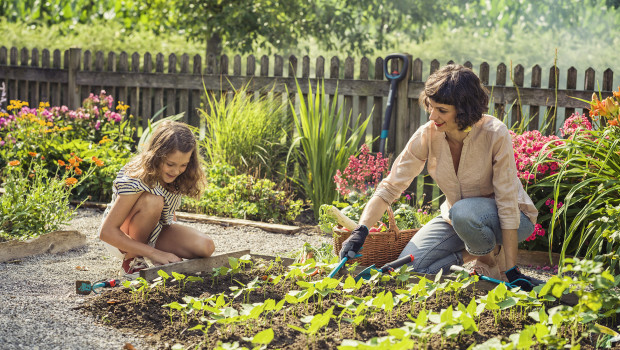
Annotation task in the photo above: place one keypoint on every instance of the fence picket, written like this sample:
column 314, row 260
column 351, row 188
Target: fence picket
column 571, row 84
column 518, row 79
column 362, row 100
column 349, row 66
column 45, row 86
column 194, row 118
column 158, row 93
column 608, row 80
column 377, row 111
column 237, row 65
column 123, row 67
column 550, row 119
column 500, row 80
column 35, row 92
column 536, row 82
column 183, row 94
column 147, row 93
column 170, row 94
column 56, row 93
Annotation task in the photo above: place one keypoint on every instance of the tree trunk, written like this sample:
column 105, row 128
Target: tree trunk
column 214, row 51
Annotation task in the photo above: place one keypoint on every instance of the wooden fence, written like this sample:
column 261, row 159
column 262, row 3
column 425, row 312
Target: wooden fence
column 66, row 78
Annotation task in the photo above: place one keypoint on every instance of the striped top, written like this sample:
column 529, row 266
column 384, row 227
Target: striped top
column 125, row 185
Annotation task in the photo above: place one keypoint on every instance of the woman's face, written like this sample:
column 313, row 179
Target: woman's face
column 444, row 116
column 173, row 165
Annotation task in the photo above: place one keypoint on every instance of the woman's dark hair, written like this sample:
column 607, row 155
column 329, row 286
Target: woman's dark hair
column 460, row 87
column 170, row 136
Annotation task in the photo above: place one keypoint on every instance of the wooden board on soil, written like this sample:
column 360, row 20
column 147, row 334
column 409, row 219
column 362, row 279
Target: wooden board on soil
column 53, row 242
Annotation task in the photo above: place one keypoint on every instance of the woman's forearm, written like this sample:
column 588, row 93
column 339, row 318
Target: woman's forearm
column 511, row 247
column 374, row 210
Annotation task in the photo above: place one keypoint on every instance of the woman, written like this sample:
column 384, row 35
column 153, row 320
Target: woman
column 469, row 155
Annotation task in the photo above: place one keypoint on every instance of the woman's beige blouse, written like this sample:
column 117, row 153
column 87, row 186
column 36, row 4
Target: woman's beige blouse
column 487, row 169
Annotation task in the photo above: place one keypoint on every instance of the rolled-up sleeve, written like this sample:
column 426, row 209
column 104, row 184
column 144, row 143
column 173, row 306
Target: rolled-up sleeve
column 406, row 167
column 505, row 181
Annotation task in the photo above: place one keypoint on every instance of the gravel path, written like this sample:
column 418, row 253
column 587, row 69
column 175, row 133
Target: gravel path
column 37, row 294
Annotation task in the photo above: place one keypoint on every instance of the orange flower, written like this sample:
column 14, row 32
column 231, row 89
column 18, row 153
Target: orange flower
column 31, row 175
column 14, row 163
column 617, row 93
column 72, row 161
column 43, row 157
column 613, row 122
column 71, row 181
column 98, row 162
column 61, row 162
column 32, row 154
column 78, row 171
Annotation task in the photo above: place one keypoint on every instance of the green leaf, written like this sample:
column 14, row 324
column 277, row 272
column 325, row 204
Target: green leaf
column 263, row 337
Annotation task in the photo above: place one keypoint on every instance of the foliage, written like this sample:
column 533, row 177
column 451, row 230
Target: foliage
column 97, row 129
column 36, row 203
column 582, row 191
column 245, row 197
column 326, row 139
column 248, row 133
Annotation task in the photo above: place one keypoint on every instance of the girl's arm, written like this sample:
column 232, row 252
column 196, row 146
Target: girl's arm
column 111, row 232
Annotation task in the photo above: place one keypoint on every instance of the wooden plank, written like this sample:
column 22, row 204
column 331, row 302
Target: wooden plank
column 334, row 74
column 193, row 117
column 571, row 84
column 192, row 265
column 402, row 111
column 237, row 65
column 429, row 184
column 147, row 92
column 551, row 116
column 170, row 94
column 517, row 112
column 86, row 90
column 292, row 73
column 122, row 91
column 111, row 67
column 35, row 86
column 349, row 68
column 362, row 101
column 45, row 63
column 500, row 80
column 415, row 115
column 183, row 94
column 377, row 111
column 608, row 80
column 285, row 261
column 23, row 84
column 158, row 92
column 73, row 88
column 276, row 228
column 134, row 94
column 320, row 68
column 55, row 101
column 534, row 109
column 484, row 73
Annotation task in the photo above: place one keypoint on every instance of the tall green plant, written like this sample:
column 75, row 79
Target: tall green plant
column 248, row 133
column 588, row 184
column 326, row 139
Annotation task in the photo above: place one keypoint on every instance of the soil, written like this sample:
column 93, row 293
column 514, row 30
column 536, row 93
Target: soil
column 120, row 309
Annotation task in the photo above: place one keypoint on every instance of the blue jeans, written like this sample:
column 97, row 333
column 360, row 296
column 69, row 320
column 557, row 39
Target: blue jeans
column 475, row 227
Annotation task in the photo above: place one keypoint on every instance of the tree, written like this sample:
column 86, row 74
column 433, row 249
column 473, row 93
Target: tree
column 354, row 26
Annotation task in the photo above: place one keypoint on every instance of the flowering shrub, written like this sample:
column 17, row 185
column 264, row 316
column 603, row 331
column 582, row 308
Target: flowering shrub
column 608, row 109
column 97, row 129
column 36, row 203
column 527, row 149
column 574, row 123
column 362, row 172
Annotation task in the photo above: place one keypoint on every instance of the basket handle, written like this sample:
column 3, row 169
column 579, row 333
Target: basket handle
column 392, row 222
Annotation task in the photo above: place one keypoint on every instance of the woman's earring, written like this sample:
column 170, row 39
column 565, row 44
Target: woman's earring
column 467, row 129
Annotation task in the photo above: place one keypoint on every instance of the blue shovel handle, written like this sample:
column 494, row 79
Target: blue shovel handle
column 342, row 262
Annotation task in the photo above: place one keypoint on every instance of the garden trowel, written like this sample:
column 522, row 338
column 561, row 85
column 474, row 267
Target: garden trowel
column 85, row 287
column 482, row 277
column 389, row 267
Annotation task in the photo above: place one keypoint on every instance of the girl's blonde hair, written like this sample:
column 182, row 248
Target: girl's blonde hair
column 170, row 136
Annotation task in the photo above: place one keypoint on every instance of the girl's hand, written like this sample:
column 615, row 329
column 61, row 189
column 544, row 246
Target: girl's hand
column 163, row 258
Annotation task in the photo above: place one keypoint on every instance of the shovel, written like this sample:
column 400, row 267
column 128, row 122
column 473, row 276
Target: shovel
column 394, row 78
column 85, row 287
column 342, row 262
column 482, row 277
column 389, row 267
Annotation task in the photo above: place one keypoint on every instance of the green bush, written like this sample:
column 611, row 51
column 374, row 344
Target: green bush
column 35, row 203
column 248, row 133
column 243, row 196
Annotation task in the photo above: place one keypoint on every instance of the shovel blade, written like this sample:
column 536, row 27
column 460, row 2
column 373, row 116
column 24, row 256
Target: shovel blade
column 365, row 274
column 83, row 287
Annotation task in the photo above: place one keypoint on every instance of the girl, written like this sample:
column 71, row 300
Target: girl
column 140, row 220
column 470, row 156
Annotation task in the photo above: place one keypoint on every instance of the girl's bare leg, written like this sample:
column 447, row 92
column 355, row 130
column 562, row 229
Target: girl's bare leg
column 143, row 218
column 185, row 242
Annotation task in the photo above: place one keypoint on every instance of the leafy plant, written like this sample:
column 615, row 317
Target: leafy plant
column 245, row 197
column 248, row 133
column 35, row 203
column 326, row 139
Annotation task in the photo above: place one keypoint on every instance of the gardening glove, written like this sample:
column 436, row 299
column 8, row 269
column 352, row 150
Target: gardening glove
column 515, row 277
column 352, row 245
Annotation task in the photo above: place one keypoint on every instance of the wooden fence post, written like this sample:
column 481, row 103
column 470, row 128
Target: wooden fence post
column 403, row 115
column 74, row 67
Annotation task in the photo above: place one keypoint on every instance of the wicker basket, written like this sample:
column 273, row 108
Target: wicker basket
column 380, row 248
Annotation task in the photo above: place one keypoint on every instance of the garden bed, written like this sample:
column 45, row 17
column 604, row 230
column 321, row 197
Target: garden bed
column 255, row 301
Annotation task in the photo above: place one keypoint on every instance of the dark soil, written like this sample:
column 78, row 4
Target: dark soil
column 118, row 308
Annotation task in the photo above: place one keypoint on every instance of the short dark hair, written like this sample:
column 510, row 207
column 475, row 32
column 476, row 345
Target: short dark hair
column 460, row 87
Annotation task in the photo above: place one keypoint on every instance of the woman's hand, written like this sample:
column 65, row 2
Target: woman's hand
column 162, row 258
